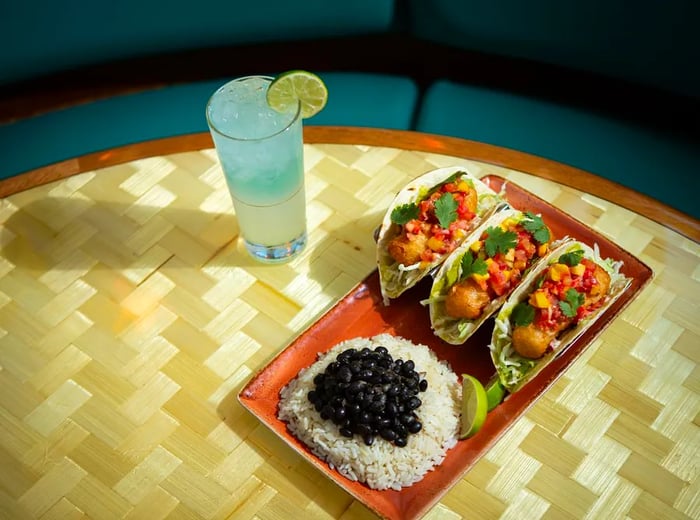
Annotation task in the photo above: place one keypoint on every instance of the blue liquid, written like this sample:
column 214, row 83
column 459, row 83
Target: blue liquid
column 261, row 154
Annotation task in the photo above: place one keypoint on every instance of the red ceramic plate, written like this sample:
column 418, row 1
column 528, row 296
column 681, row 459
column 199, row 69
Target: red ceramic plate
column 361, row 313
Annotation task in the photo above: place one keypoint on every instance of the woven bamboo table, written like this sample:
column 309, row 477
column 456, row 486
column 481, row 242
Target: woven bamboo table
column 130, row 318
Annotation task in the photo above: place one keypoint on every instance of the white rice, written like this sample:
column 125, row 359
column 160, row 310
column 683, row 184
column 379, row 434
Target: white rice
column 381, row 465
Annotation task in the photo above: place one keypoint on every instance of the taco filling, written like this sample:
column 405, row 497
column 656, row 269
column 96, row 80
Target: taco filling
column 558, row 301
column 427, row 220
column 565, row 293
column 435, row 225
column 495, row 263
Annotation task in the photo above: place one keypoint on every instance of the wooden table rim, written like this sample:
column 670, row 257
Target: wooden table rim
column 402, row 139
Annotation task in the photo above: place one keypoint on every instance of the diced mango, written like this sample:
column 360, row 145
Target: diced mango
column 578, row 269
column 435, row 244
column 463, row 187
column 489, row 261
column 480, row 278
column 558, row 271
column 539, row 299
column 476, row 246
column 510, row 256
column 542, row 249
column 459, row 233
column 507, row 224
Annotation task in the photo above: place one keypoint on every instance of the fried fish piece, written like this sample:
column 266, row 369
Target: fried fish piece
column 408, row 250
column 600, row 289
column 466, row 299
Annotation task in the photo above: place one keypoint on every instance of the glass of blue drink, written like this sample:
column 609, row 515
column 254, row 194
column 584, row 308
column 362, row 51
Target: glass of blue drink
column 261, row 154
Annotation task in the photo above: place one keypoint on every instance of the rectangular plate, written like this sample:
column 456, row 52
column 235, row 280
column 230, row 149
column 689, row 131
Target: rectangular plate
column 362, row 314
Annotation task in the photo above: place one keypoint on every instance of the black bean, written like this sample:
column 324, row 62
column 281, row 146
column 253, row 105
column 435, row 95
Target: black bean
column 387, row 434
column 365, row 374
column 376, row 407
column 344, row 374
column 346, row 355
column 413, row 403
column 385, row 363
column 401, row 430
column 415, row 427
column 406, row 419
column 357, row 386
column 369, row 393
column 340, row 414
column 326, row 412
column 384, row 423
column 364, row 429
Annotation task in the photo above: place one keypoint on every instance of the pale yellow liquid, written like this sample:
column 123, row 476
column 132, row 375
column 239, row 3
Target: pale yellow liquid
column 275, row 224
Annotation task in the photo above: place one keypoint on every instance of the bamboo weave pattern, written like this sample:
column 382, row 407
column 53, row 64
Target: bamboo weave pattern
column 130, row 318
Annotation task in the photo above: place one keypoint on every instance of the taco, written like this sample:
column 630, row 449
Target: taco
column 475, row 280
column 560, row 299
column 425, row 222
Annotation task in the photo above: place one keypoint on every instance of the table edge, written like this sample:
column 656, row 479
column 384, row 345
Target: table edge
column 403, row 139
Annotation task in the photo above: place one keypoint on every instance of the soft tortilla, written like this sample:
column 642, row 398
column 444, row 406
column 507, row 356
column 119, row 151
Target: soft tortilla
column 396, row 278
column 514, row 370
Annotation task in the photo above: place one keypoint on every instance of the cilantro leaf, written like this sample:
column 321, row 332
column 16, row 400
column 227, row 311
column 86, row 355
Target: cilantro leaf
column 499, row 240
column 574, row 300
column 404, row 213
column 572, row 258
column 536, row 226
column 446, row 209
column 523, row 314
column 471, row 265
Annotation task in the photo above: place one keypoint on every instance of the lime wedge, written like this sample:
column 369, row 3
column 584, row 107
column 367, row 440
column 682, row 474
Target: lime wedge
column 298, row 86
column 495, row 392
column 474, row 406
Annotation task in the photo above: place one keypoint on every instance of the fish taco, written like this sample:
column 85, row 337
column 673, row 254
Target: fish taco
column 425, row 222
column 561, row 298
column 475, row 280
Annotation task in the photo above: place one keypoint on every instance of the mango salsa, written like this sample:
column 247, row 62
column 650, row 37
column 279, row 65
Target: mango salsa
column 539, row 300
column 557, row 272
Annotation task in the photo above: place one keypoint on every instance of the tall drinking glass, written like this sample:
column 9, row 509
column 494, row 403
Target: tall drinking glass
column 261, row 154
